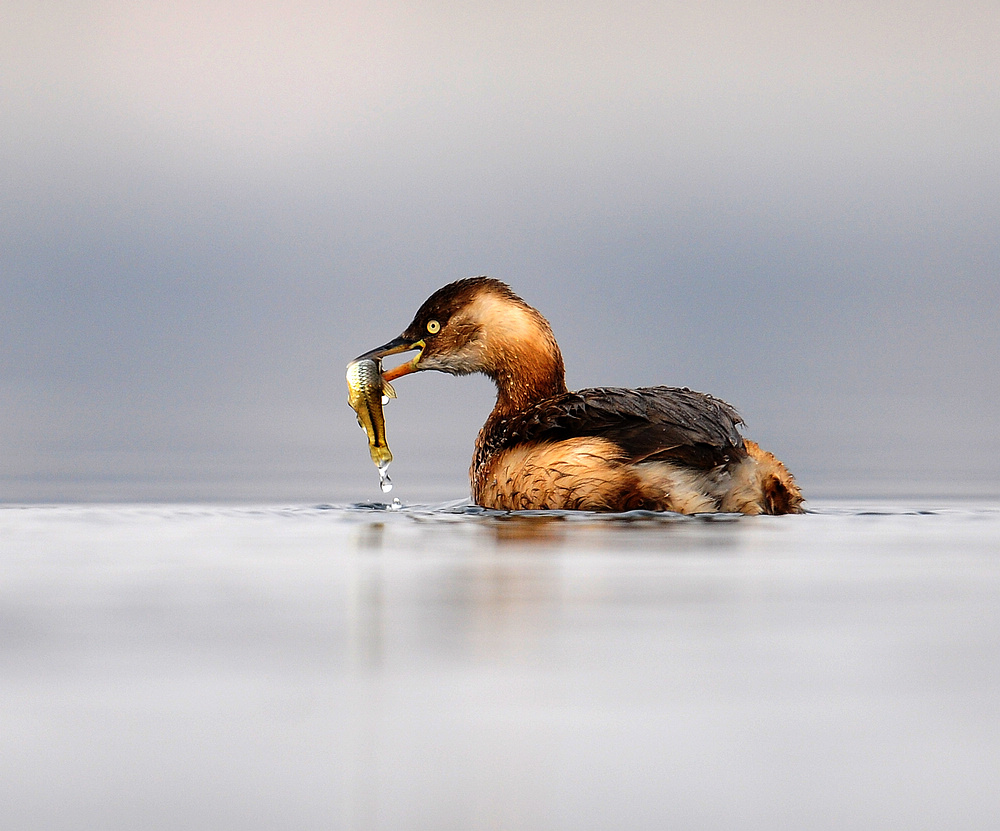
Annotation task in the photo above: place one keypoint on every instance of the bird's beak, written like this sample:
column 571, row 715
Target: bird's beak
column 393, row 347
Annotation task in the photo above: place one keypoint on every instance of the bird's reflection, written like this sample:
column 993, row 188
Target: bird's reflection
column 442, row 585
column 497, row 595
column 528, row 530
column 424, row 597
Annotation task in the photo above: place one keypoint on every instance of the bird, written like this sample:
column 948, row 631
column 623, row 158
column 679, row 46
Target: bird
column 544, row 447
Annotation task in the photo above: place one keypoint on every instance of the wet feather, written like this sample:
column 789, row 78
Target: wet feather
column 648, row 424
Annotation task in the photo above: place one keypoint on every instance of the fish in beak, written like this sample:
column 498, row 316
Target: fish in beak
column 394, row 347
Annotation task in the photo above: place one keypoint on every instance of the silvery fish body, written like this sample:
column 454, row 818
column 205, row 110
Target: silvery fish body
column 365, row 391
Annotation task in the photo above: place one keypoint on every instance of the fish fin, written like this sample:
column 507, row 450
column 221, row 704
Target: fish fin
column 388, row 390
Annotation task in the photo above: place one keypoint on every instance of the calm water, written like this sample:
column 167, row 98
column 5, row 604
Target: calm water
column 201, row 667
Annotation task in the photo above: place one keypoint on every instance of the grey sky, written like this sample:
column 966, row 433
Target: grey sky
column 209, row 208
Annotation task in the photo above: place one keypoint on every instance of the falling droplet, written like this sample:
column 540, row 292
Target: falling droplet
column 383, row 474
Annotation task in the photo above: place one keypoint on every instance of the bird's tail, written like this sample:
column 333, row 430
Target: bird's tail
column 779, row 494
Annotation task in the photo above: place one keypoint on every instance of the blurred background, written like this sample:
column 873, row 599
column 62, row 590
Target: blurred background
column 209, row 208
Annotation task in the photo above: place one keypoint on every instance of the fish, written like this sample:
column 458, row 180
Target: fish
column 367, row 392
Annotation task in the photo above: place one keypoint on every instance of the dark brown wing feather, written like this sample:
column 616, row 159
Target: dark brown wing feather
column 650, row 423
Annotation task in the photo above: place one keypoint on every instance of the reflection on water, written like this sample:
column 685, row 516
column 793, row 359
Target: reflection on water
column 447, row 667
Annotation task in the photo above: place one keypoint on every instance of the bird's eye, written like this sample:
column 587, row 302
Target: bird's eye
column 433, row 327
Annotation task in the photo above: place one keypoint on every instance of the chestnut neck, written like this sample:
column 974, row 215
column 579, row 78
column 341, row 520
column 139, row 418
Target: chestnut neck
column 525, row 374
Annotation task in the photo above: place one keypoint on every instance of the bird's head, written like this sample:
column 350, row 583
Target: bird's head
column 475, row 325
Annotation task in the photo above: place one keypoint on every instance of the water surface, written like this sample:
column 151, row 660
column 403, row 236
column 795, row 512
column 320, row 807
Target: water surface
column 436, row 667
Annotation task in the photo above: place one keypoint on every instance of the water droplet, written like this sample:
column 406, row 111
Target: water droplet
column 396, row 504
column 385, row 400
column 383, row 474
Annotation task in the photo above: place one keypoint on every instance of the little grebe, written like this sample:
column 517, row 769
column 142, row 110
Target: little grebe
column 602, row 449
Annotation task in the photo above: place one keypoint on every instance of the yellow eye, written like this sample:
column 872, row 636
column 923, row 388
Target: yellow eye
column 433, row 327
